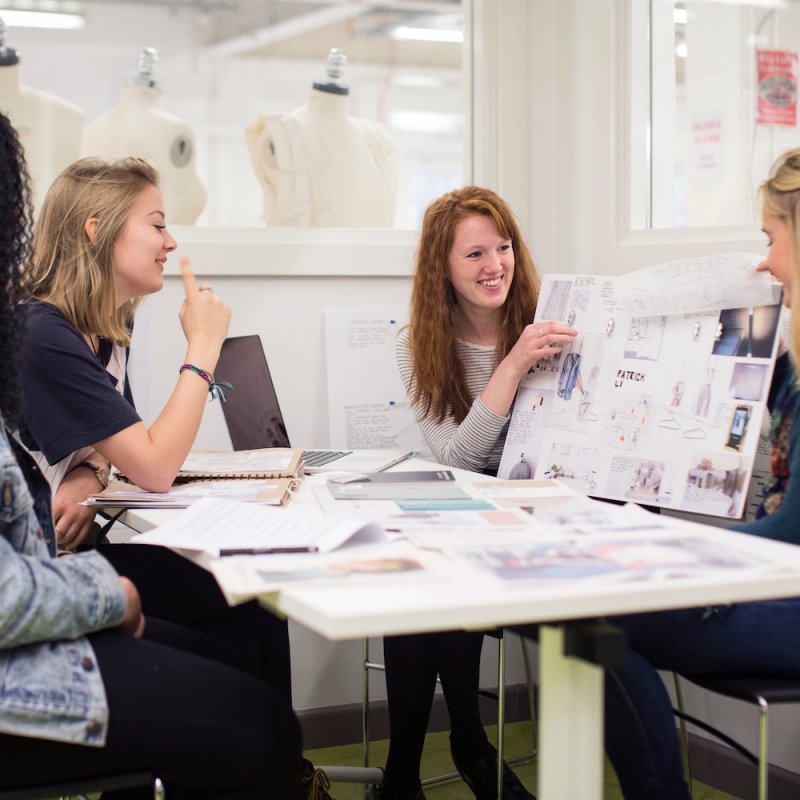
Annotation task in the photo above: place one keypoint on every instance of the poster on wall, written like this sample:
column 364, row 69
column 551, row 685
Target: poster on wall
column 707, row 150
column 777, row 87
column 367, row 402
column 661, row 396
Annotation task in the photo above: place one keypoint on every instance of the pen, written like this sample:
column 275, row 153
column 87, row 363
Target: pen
column 266, row 551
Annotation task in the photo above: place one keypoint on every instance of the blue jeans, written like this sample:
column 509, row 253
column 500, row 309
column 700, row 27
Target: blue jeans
column 756, row 639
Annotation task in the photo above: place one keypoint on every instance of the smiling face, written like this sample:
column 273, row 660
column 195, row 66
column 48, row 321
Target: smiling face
column 141, row 248
column 481, row 266
column 780, row 257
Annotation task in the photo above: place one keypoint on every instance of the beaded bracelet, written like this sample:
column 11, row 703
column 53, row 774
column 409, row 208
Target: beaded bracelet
column 214, row 387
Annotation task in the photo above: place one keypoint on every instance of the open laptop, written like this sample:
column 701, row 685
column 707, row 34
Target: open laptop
column 254, row 419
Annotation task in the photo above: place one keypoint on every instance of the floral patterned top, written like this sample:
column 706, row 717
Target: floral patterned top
column 778, row 517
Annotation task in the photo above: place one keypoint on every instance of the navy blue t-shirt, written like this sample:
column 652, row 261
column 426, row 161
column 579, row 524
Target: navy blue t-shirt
column 69, row 401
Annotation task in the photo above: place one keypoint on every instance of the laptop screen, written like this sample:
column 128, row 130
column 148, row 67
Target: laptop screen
column 251, row 408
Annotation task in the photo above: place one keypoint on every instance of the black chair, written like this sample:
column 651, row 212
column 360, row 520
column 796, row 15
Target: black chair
column 81, row 788
column 760, row 692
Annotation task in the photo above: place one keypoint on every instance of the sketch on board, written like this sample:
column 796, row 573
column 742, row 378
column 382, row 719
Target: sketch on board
column 656, row 373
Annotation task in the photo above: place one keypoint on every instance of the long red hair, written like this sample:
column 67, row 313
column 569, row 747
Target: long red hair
column 439, row 384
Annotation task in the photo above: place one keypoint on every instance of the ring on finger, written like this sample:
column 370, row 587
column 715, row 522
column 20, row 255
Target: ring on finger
column 541, row 331
column 59, row 532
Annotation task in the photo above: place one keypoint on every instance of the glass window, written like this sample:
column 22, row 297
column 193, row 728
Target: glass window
column 224, row 65
column 722, row 106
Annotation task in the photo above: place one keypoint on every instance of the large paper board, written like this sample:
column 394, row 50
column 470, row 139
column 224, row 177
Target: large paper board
column 660, row 398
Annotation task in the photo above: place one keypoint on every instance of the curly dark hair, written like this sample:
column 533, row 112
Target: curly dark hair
column 16, row 223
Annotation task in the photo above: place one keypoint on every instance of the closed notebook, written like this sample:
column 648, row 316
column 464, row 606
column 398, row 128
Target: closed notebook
column 268, row 462
column 264, row 491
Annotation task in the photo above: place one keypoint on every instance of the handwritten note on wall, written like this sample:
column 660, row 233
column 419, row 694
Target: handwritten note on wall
column 367, row 404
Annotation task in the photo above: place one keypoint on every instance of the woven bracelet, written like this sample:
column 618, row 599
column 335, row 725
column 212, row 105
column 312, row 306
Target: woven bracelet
column 214, row 387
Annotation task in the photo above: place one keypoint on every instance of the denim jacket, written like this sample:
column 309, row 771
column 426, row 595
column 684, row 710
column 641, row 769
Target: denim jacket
column 50, row 684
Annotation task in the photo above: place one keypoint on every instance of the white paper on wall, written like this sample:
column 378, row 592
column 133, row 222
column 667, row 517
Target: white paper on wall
column 367, row 403
column 660, row 398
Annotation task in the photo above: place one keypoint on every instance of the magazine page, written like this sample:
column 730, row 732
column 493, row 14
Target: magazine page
column 243, row 578
column 626, row 557
column 660, row 398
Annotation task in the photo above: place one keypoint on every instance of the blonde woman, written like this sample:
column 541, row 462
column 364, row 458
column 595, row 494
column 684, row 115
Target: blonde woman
column 100, row 245
column 89, row 688
column 755, row 639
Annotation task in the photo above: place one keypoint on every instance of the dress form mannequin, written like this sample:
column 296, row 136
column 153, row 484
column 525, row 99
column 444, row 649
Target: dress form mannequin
column 137, row 126
column 48, row 127
column 321, row 167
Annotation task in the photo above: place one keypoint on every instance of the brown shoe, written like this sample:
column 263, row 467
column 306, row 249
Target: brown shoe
column 311, row 784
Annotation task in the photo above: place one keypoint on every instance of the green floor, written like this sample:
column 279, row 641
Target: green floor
column 436, row 760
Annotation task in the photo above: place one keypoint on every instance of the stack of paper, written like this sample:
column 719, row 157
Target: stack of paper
column 119, row 494
column 221, row 528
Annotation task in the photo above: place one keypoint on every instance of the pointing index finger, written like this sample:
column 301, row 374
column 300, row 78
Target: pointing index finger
column 188, row 276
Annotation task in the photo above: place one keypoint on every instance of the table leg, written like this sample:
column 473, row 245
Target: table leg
column 571, row 722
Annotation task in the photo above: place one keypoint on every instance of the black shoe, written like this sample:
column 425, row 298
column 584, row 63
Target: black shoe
column 481, row 777
column 388, row 791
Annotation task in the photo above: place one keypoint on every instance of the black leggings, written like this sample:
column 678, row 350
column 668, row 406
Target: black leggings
column 179, row 708
column 173, row 588
column 412, row 664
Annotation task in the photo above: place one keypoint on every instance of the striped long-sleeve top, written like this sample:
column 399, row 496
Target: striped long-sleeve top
column 477, row 442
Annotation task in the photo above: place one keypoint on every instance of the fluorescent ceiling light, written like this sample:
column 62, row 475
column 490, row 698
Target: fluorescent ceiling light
column 14, row 18
column 405, row 33
column 680, row 16
column 761, row 3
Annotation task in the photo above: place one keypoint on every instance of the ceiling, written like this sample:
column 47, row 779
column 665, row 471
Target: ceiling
column 309, row 28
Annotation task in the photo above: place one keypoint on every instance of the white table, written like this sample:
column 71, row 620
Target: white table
column 571, row 724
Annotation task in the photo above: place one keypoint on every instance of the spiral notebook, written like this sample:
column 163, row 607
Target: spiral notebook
column 269, row 462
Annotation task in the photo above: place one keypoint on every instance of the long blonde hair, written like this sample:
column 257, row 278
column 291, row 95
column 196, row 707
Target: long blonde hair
column 439, row 384
column 780, row 196
column 73, row 272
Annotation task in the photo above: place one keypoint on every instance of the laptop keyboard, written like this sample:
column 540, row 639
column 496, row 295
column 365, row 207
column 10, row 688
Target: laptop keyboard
column 317, row 458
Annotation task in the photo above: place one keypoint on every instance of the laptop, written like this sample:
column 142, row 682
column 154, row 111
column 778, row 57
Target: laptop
column 254, row 419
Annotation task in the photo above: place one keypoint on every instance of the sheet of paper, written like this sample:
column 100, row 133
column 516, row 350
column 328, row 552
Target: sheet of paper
column 693, row 285
column 416, row 490
column 367, row 404
column 243, row 577
column 523, row 493
column 662, row 410
column 211, row 526
column 631, row 557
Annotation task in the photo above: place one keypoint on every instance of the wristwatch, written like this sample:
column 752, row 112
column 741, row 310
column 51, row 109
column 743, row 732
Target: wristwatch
column 99, row 472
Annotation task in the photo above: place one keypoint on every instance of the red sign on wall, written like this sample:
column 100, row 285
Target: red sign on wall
column 777, row 87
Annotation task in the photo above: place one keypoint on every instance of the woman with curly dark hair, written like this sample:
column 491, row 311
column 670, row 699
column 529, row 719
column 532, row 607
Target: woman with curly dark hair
column 88, row 686
column 15, row 235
